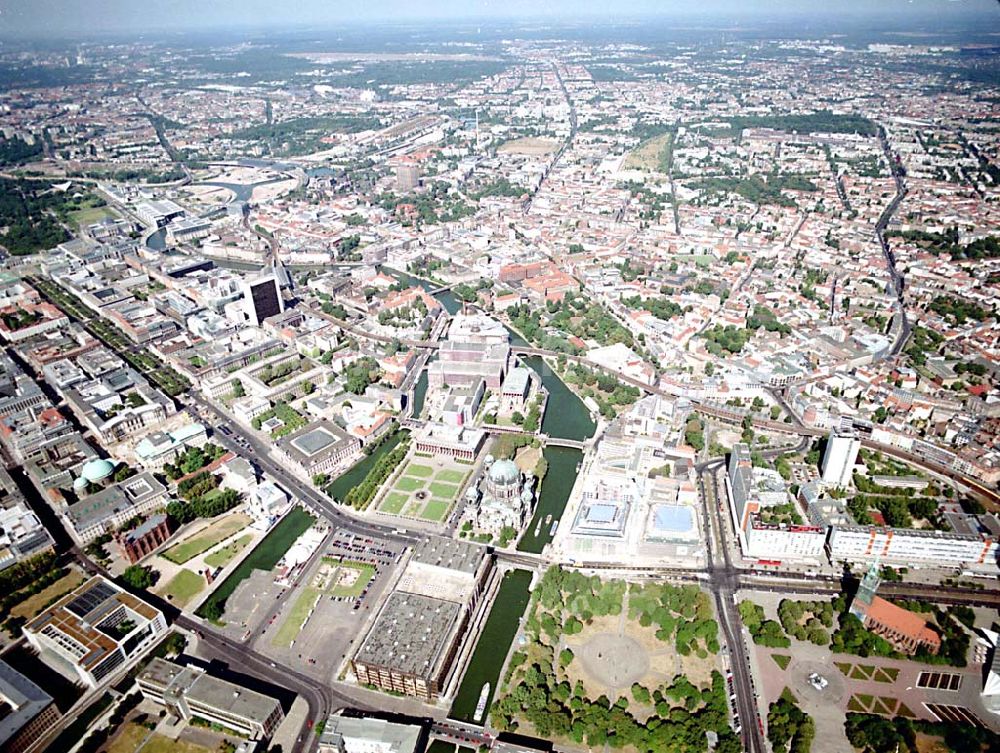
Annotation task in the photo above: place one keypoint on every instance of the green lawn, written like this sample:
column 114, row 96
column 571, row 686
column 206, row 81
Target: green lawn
column 205, row 539
column 90, row 215
column 435, row 509
column 296, row 618
column 885, row 706
column 367, row 573
column 222, row 557
column 444, row 491
column 409, row 484
column 450, row 476
column 782, row 660
column 183, row 587
column 418, row 470
column 393, row 502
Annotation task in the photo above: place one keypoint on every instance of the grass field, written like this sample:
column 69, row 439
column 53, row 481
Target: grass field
column 420, row 471
column 450, row 476
column 131, row 736
column 441, row 485
column 36, row 603
column 183, row 587
column 782, row 660
column 367, row 573
column 221, row 557
column 296, row 618
column 408, row 484
column 90, row 215
column 393, row 502
column 443, row 491
column 651, row 154
column 436, row 509
column 218, row 530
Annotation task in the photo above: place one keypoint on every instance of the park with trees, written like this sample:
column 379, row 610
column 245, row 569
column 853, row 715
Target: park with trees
column 545, row 691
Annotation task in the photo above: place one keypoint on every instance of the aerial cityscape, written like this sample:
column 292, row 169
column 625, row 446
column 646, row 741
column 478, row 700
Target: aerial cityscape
column 458, row 377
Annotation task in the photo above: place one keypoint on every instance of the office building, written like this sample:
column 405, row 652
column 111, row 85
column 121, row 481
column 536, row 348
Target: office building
column 22, row 534
column 261, row 299
column 343, row 734
column 839, row 459
column 95, row 630
column 26, row 711
column 767, row 520
column 856, row 544
column 191, row 692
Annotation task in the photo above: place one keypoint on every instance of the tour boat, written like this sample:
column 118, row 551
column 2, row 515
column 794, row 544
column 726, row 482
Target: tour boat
column 481, row 705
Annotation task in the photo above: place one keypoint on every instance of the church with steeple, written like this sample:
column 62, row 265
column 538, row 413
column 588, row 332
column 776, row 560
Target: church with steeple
column 905, row 630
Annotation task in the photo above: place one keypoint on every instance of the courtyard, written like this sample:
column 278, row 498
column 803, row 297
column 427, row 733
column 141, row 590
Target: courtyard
column 426, row 489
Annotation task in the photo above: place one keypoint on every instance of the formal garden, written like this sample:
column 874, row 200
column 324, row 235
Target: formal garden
column 426, row 489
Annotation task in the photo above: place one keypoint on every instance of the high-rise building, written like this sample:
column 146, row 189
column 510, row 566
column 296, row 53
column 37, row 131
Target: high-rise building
column 767, row 521
column 262, row 298
column 407, row 176
column 839, row 459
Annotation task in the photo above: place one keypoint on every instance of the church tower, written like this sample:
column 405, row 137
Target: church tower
column 866, row 592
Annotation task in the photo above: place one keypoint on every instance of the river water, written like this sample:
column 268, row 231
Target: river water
column 491, row 650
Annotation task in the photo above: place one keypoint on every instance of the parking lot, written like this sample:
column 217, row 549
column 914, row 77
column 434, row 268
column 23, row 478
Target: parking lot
column 329, row 607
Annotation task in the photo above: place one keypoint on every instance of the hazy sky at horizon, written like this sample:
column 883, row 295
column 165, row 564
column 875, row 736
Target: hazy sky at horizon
column 86, row 17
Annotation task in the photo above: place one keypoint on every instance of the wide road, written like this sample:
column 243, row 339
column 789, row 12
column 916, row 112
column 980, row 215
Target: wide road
column 246, row 442
column 723, row 582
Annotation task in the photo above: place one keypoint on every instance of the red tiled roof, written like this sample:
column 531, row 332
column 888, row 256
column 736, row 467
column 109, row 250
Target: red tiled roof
column 902, row 620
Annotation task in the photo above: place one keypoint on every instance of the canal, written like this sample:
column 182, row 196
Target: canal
column 339, row 487
column 555, row 490
column 419, row 393
column 448, row 300
column 494, row 643
column 566, row 416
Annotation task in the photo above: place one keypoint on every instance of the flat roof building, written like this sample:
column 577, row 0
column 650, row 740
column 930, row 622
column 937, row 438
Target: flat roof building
column 191, row 692
column 95, row 629
column 413, row 641
column 319, row 447
column 107, row 509
column 767, row 519
column 343, row 734
column 460, row 442
column 26, row 711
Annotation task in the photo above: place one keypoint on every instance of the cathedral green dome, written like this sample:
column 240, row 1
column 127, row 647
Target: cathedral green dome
column 504, row 472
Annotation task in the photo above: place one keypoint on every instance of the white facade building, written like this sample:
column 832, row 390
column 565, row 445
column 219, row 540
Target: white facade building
column 839, row 459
